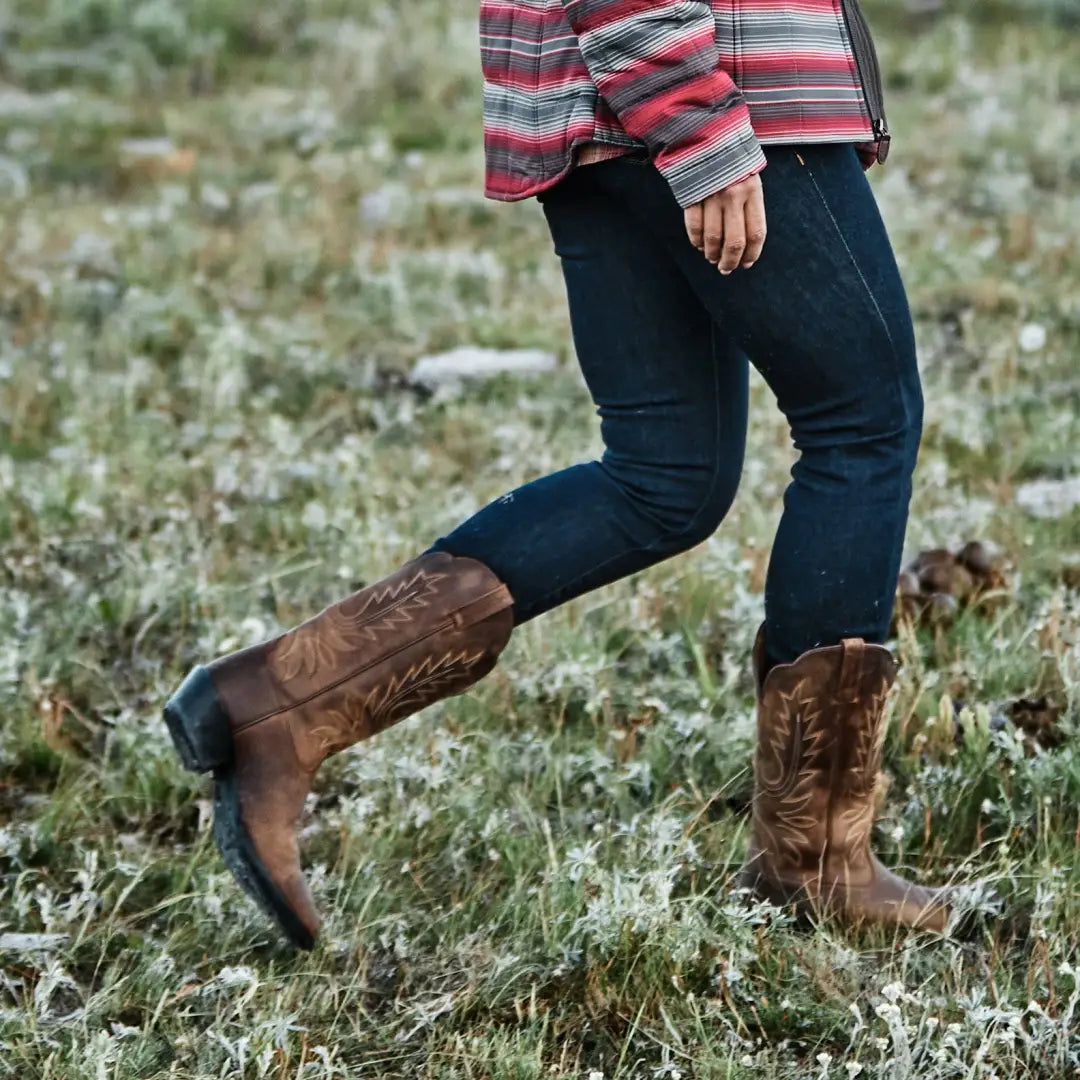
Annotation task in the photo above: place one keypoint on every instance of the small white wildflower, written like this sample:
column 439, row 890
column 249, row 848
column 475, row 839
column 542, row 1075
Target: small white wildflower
column 214, row 198
column 1032, row 337
column 314, row 516
column 892, row 992
column 853, row 1069
column 888, row 1011
column 254, row 630
column 596, row 1074
column 236, row 976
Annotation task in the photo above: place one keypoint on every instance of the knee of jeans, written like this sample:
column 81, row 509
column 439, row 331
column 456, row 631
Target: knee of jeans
column 897, row 418
column 875, row 445
column 680, row 508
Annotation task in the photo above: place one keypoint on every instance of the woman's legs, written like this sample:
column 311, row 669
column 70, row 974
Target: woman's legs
column 661, row 338
column 824, row 317
column 671, row 393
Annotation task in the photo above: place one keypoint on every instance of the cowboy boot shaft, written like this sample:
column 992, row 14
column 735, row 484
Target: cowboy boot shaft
column 820, row 721
column 859, row 748
column 821, row 727
column 427, row 632
column 793, row 759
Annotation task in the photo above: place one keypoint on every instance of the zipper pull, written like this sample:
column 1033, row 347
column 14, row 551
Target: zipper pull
column 881, row 134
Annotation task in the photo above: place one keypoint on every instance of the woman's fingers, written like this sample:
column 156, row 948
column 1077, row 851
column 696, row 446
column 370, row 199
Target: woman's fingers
column 729, row 226
column 713, row 220
column 755, row 228
column 734, row 245
column 695, row 225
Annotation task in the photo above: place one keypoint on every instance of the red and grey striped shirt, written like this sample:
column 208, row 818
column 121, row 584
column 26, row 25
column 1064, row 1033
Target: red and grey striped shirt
column 700, row 85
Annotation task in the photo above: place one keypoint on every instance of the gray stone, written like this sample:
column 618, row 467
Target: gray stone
column 1049, row 499
column 29, row 943
column 472, row 364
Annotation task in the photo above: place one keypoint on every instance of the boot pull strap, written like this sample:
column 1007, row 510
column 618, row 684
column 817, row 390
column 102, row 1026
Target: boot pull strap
column 851, row 662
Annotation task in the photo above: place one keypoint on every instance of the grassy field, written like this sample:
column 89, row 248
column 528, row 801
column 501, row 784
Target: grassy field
column 229, row 228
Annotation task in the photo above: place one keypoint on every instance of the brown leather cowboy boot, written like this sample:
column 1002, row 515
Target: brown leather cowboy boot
column 265, row 718
column 821, row 728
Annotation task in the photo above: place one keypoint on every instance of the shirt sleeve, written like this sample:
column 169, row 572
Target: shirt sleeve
column 658, row 68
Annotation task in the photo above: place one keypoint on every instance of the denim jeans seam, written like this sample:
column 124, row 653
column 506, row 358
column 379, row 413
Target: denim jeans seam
column 896, row 365
column 570, row 585
column 904, row 497
column 855, row 265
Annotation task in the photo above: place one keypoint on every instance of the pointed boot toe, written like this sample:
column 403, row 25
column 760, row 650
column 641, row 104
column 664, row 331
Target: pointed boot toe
column 896, row 900
column 266, row 863
column 258, row 805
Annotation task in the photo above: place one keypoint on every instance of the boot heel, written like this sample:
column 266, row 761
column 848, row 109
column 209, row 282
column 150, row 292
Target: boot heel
column 199, row 724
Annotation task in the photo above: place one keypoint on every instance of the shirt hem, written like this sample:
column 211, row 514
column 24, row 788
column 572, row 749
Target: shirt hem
column 618, row 148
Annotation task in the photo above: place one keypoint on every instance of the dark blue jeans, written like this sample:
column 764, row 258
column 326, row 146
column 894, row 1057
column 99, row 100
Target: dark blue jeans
column 663, row 341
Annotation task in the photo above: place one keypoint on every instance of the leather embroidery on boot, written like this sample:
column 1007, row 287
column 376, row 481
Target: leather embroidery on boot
column 857, row 820
column 869, row 747
column 359, row 715
column 787, row 773
column 340, row 631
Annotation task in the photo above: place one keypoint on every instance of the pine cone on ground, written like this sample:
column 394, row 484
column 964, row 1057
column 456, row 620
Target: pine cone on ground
column 938, row 584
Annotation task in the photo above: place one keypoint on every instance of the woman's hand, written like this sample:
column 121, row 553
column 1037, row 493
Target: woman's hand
column 729, row 227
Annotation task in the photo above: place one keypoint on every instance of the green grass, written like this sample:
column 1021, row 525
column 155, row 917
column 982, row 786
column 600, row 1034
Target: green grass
column 205, row 435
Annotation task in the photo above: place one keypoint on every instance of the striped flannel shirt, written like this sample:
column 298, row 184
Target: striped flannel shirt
column 699, row 85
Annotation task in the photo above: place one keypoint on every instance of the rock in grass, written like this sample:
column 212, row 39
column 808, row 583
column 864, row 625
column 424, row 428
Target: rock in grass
column 388, row 205
column 469, row 364
column 1049, row 499
column 215, row 200
column 30, row 943
column 18, row 105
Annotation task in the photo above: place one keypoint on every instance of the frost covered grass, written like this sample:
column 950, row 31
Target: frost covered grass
column 229, row 230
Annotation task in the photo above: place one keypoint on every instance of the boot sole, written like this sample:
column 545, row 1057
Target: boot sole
column 199, row 726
